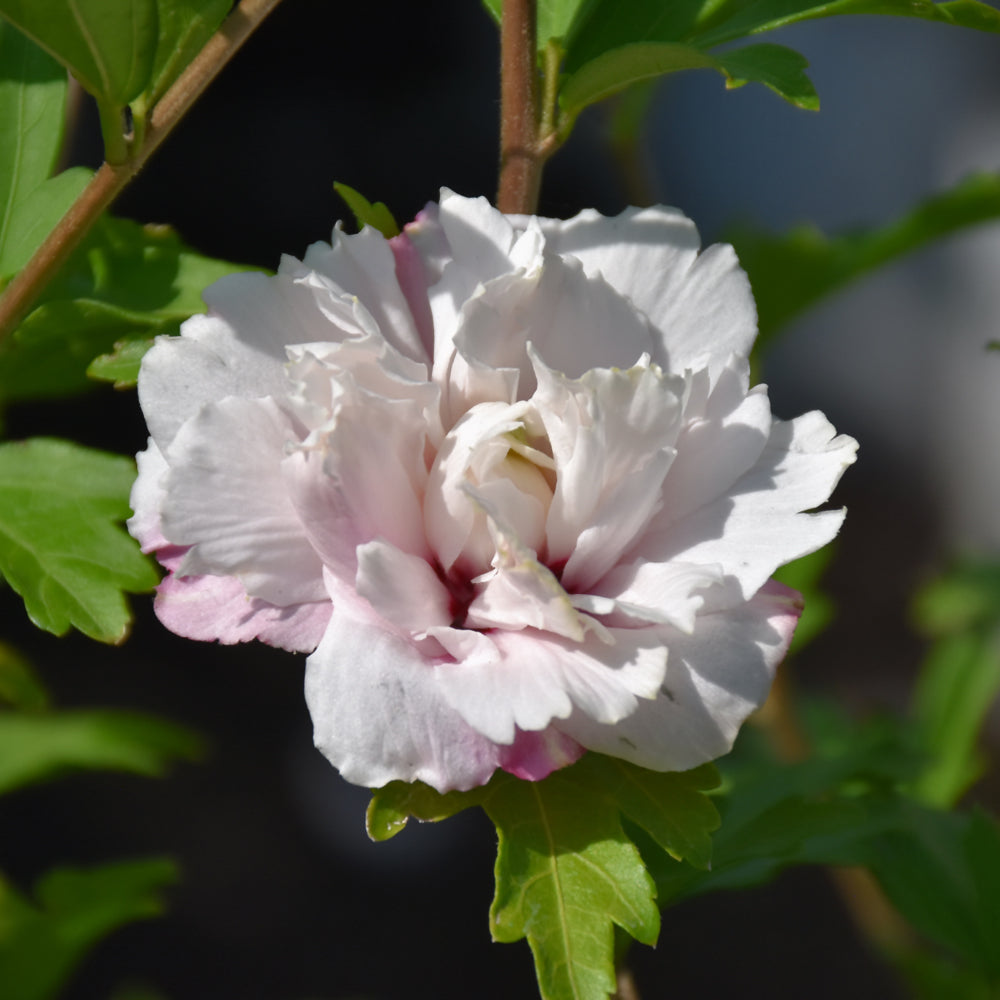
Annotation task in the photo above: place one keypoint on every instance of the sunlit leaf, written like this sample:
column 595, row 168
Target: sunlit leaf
column 61, row 546
column 42, row 940
column 393, row 804
column 791, row 272
column 127, row 282
column 377, row 216
column 121, row 365
column 32, row 114
column 39, row 746
column 108, row 45
column 567, row 873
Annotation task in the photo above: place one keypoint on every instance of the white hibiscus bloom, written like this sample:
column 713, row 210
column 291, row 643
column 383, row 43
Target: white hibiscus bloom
column 502, row 477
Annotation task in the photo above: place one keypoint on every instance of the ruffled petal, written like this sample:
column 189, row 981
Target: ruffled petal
column 700, row 305
column 756, row 525
column 378, row 714
column 225, row 497
column 541, row 677
column 715, row 678
column 146, row 498
column 534, row 756
column 217, row 609
column 611, row 434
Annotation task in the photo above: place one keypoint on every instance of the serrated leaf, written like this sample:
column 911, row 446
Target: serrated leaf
column 43, row 940
column 126, row 282
column 19, row 686
column 108, row 45
column 779, row 68
column 37, row 747
column 392, row 806
column 791, row 272
column 61, row 545
column 377, row 216
column 671, row 807
column 121, row 365
column 566, row 873
column 32, row 110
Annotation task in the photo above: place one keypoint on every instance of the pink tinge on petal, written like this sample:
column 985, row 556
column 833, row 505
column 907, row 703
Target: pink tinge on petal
column 217, row 609
column 413, row 282
column 533, row 756
column 785, row 620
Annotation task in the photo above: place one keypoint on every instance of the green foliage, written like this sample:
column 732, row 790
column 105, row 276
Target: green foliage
column 377, row 216
column 37, row 747
column 567, row 869
column 779, row 68
column 19, row 687
column 804, row 575
column 60, row 546
column 43, row 939
column 32, row 111
column 126, row 283
column 121, row 366
column 960, row 679
column 792, row 272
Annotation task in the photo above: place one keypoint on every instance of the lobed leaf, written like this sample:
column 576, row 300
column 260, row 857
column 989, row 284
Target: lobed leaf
column 32, row 115
column 37, row 747
column 61, row 547
column 392, row 806
column 566, row 873
column 792, row 272
column 43, row 940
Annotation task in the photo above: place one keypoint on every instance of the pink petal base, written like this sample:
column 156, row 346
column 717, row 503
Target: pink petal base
column 533, row 756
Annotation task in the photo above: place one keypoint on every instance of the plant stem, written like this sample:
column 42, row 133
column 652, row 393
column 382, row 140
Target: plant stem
column 520, row 162
column 107, row 183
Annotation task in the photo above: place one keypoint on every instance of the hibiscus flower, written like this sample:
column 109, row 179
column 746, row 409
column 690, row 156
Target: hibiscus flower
column 503, row 478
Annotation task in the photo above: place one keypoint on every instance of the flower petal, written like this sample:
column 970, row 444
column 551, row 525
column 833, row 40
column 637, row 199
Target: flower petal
column 700, row 305
column 534, row 756
column 541, row 677
column 378, row 715
column 714, row 679
column 225, row 498
column 217, row 609
column 756, row 525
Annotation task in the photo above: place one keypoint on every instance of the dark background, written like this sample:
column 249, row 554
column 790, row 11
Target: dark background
column 283, row 896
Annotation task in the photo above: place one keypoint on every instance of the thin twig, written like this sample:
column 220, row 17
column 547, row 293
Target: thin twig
column 107, row 183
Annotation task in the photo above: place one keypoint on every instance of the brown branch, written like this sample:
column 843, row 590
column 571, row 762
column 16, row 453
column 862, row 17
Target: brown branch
column 107, row 183
column 520, row 159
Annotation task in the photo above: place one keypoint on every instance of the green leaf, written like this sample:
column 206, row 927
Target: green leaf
column 779, row 68
column 19, row 686
column 960, row 679
column 127, row 282
column 566, row 873
column 121, row 366
column 393, row 804
column 32, row 114
column 37, row 747
column 610, row 24
column 61, row 547
column 792, row 272
column 43, row 940
column 108, row 45
column 377, row 216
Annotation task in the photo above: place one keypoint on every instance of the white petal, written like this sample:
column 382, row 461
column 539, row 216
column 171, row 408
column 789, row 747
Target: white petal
column 541, row 677
column 755, row 526
column 225, row 497
column 378, row 713
column 669, row 593
column 573, row 322
column 146, row 498
column 700, row 306
column 402, row 589
column 611, row 435
column 714, row 679
column 364, row 266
